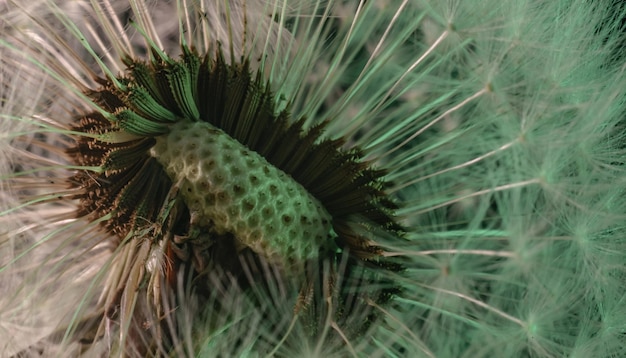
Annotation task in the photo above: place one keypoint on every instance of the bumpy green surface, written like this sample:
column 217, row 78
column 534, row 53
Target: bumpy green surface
column 230, row 189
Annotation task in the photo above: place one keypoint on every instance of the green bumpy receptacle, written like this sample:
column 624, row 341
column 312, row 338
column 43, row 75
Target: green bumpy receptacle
column 231, row 189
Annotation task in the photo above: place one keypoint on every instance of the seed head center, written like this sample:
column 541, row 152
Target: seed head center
column 231, row 189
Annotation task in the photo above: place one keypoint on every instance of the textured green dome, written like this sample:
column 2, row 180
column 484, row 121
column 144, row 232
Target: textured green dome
column 231, row 189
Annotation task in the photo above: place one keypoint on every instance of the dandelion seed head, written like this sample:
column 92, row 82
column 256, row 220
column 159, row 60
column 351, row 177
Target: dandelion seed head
column 160, row 154
column 479, row 147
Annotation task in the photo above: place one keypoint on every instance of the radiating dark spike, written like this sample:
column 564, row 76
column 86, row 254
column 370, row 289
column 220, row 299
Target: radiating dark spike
column 122, row 158
column 182, row 89
column 141, row 101
column 143, row 76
